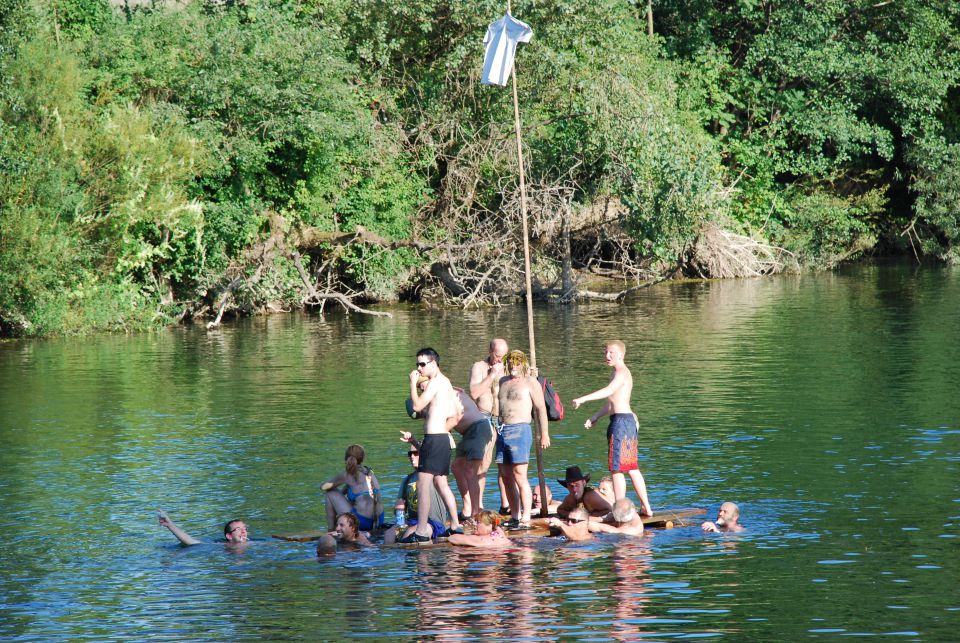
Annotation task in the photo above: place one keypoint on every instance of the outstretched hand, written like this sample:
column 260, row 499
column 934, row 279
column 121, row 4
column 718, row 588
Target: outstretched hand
column 576, row 403
column 406, row 436
column 588, row 424
column 163, row 518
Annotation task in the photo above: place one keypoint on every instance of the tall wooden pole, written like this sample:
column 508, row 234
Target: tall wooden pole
column 544, row 508
column 649, row 17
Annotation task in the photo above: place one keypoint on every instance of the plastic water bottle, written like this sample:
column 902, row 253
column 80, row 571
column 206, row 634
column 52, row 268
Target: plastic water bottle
column 401, row 514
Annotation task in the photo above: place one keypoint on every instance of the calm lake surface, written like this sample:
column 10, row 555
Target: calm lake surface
column 826, row 405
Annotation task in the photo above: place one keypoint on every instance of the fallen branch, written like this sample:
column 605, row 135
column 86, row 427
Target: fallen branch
column 314, row 297
column 224, row 298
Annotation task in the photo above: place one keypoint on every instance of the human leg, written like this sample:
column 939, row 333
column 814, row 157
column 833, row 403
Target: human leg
column 443, row 488
column 509, row 488
column 424, row 484
column 460, row 474
column 337, row 504
column 641, row 486
column 619, row 485
column 525, row 492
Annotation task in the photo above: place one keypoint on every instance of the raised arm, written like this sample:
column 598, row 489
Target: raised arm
column 421, row 402
column 618, row 380
column 482, row 377
column 181, row 535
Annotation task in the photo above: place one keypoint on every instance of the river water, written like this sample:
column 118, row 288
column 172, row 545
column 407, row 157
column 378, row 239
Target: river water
column 826, row 405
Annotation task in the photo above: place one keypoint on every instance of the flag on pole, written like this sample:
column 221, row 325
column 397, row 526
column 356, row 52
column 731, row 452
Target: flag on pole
column 501, row 45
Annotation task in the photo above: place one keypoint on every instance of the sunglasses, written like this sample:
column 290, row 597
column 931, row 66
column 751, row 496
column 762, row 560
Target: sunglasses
column 410, row 454
column 422, row 364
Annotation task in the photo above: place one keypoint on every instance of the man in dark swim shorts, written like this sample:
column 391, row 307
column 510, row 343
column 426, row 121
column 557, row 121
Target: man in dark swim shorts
column 440, row 403
column 474, row 453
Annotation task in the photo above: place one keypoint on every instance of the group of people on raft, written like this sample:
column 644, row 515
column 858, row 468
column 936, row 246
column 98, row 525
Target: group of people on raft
column 495, row 418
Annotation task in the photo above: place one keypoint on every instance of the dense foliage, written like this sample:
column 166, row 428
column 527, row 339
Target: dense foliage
column 155, row 164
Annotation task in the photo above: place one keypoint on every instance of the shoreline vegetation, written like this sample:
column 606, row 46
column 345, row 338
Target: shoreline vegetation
column 197, row 160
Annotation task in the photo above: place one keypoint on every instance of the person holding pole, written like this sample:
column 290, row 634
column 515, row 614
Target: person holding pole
column 622, row 432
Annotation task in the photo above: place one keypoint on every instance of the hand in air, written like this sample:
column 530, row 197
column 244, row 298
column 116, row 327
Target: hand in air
column 163, row 517
column 576, row 404
column 588, row 424
column 406, row 436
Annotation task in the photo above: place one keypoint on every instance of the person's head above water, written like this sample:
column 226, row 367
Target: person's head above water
column 235, row 531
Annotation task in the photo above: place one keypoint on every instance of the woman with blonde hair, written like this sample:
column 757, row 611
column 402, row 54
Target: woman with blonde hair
column 355, row 491
column 487, row 534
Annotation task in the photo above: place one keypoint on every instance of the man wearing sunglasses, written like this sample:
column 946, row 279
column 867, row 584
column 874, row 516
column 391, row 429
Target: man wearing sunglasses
column 234, row 532
column 439, row 403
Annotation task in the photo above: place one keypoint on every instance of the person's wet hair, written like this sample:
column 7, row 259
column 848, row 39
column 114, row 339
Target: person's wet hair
column 227, row 528
column 488, row 517
column 623, row 510
column 352, row 519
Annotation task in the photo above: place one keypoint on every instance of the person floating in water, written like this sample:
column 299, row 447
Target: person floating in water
column 234, row 532
column 622, row 432
column 728, row 520
column 623, row 519
column 576, row 526
column 487, row 534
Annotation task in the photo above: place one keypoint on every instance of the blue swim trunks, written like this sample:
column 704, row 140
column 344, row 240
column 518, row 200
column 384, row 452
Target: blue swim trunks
column 513, row 443
column 438, row 529
column 622, row 442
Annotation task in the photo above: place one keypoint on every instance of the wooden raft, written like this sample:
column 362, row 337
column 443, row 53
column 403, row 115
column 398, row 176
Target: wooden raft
column 661, row 519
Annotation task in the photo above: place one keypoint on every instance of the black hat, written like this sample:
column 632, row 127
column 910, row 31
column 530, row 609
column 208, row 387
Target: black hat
column 573, row 475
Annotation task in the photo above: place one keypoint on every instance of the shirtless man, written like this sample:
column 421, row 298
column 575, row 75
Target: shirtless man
column 580, row 495
column 520, row 395
column 622, row 519
column 622, row 432
column 575, row 527
column 440, row 404
column 728, row 519
column 484, row 389
column 473, row 454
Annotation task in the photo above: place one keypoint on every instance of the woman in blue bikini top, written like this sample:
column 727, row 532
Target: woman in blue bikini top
column 355, row 490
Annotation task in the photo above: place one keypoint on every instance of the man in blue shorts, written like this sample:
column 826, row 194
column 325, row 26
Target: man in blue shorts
column 520, row 394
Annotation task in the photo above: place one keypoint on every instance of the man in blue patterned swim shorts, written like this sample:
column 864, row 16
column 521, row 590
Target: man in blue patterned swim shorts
column 622, row 432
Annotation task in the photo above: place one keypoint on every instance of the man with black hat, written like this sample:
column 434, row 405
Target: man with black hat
column 580, row 495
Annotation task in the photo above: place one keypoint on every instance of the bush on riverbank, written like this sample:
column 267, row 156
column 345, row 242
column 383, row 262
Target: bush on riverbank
column 157, row 165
